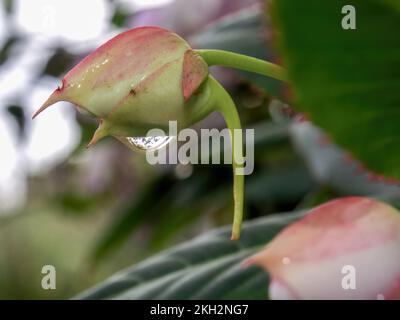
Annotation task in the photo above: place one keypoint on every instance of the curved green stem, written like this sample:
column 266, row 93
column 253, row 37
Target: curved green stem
column 223, row 103
column 243, row 62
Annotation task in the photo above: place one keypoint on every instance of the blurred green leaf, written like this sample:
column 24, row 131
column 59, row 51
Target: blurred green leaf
column 208, row 267
column 166, row 203
column 6, row 49
column 8, row 5
column 119, row 17
column 347, row 81
column 394, row 3
column 269, row 134
column 17, row 113
column 74, row 202
column 282, row 186
column 59, row 62
column 317, row 196
column 88, row 126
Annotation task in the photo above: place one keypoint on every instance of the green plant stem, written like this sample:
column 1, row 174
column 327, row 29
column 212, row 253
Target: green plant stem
column 243, row 62
column 223, row 103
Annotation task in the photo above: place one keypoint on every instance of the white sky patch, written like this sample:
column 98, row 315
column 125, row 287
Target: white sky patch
column 129, row 5
column 51, row 137
column 143, row 4
column 72, row 20
column 12, row 174
column 20, row 70
column 12, row 81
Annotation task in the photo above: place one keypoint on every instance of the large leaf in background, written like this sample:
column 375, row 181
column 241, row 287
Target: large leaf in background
column 347, row 81
column 245, row 32
column 208, row 267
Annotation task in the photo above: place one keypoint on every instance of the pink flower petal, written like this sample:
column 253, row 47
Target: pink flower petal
column 313, row 256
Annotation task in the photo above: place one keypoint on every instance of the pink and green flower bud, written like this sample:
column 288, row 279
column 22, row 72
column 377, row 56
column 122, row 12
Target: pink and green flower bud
column 137, row 81
column 141, row 80
column 345, row 249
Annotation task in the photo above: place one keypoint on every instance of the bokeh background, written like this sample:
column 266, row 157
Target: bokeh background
column 92, row 212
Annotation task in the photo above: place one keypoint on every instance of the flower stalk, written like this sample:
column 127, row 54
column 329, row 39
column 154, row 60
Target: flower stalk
column 242, row 62
column 223, row 103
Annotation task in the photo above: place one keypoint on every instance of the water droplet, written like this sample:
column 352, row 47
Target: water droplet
column 183, row 171
column 146, row 143
column 61, row 86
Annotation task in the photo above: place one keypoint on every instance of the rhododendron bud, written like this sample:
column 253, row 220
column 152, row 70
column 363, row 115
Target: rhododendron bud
column 137, row 81
column 348, row 248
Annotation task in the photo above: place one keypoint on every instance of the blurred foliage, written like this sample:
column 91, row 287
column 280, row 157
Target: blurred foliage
column 119, row 17
column 60, row 61
column 207, row 267
column 246, row 33
column 8, row 5
column 40, row 237
column 7, row 47
column 347, row 81
column 18, row 114
column 105, row 208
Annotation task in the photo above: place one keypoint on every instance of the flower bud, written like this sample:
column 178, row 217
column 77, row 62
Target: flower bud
column 142, row 79
column 137, row 81
column 345, row 249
